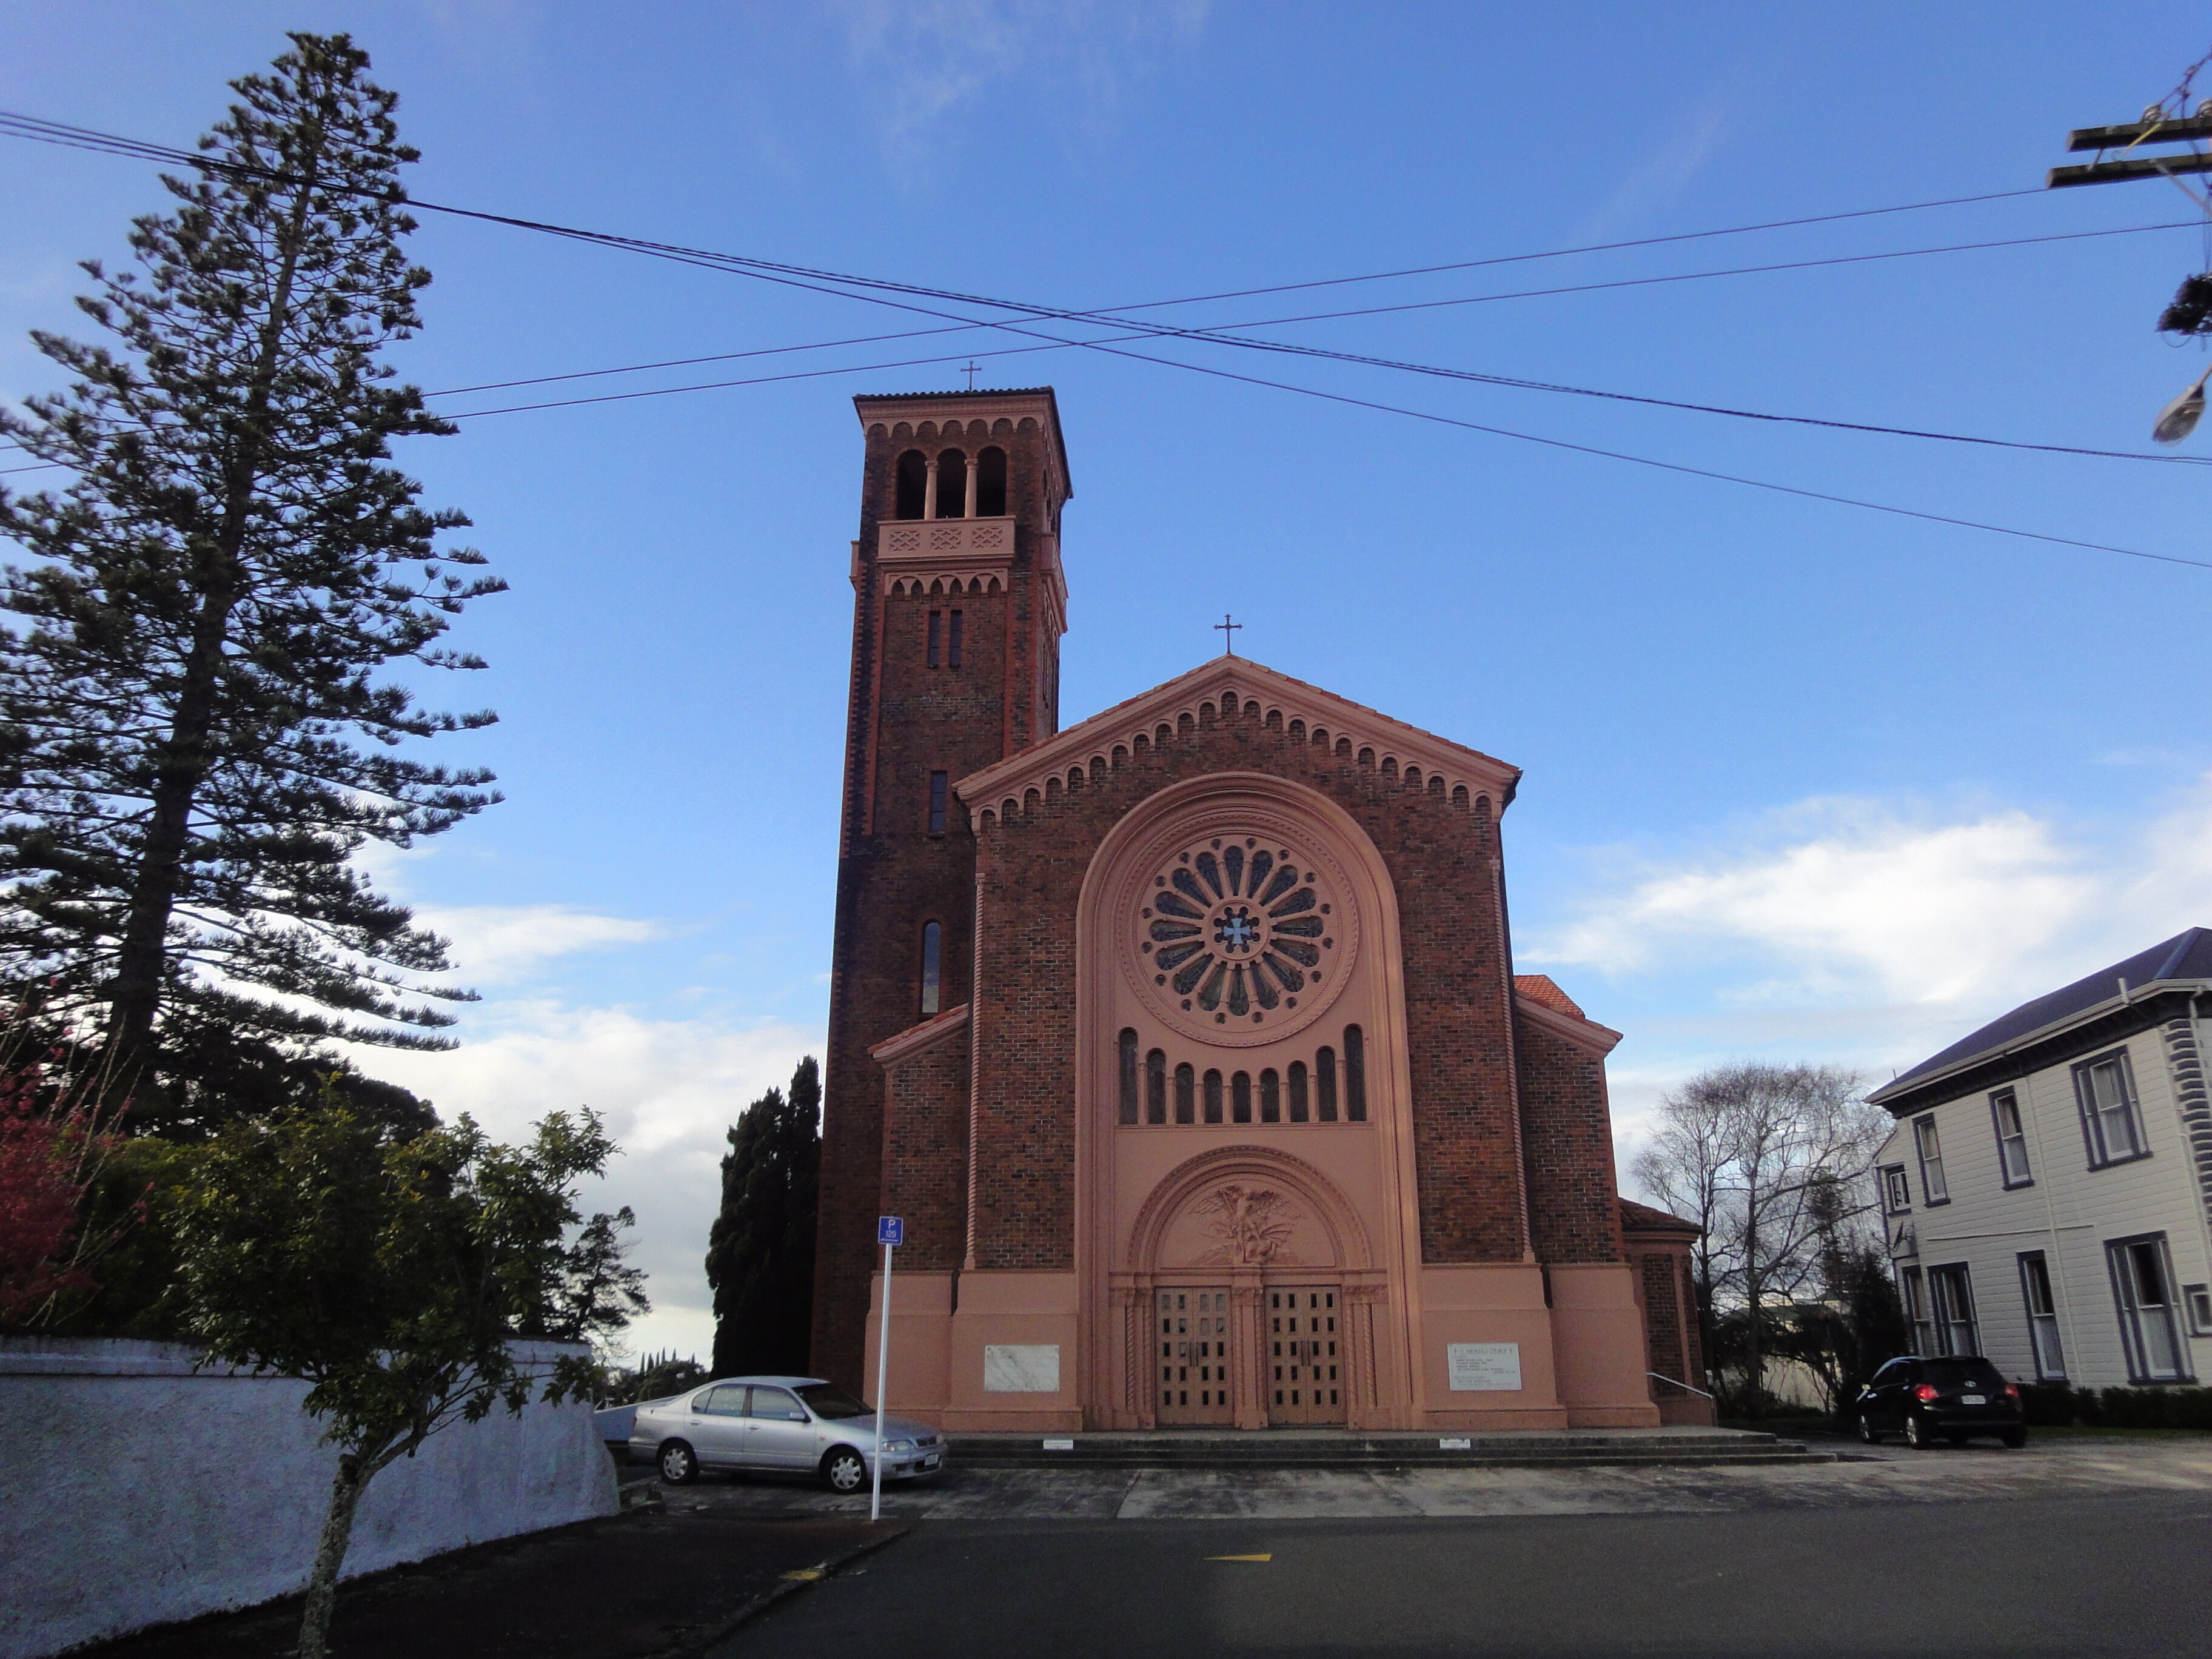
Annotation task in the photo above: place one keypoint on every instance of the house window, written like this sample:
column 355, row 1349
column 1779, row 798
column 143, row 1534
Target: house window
column 1953, row 1294
column 933, row 961
column 1931, row 1161
column 2142, row 1285
column 1896, row 1190
column 954, row 635
column 2198, row 1298
column 2042, row 1317
column 1186, row 1094
column 1156, row 1087
column 2106, row 1088
column 2012, row 1139
column 1127, row 1058
column 936, row 634
column 938, row 792
column 1915, row 1310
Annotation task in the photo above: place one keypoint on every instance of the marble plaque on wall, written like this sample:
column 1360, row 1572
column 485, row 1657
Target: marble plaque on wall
column 1485, row 1367
column 1022, row 1368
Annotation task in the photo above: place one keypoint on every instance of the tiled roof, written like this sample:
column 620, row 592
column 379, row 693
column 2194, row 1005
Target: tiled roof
column 1642, row 1217
column 1541, row 987
column 2186, row 956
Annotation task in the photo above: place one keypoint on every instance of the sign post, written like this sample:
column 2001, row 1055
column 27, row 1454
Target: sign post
column 891, row 1233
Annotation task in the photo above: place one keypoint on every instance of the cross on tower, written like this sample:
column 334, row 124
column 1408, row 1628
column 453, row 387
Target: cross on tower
column 1228, row 632
column 971, row 369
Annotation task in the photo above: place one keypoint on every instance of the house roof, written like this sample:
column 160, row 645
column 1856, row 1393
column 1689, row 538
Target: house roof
column 2186, row 957
column 1542, row 988
column 1642, row 1218
column 1096, row 741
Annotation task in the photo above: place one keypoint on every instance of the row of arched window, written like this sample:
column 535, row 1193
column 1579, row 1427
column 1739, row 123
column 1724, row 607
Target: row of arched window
column 949, row 487
column 1297, row 1094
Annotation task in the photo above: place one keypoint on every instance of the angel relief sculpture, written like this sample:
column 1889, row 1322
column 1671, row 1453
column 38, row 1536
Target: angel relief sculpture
column 1253, row 1225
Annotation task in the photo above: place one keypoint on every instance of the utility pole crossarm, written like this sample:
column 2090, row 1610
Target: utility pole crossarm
column 2176, row 130
column 2136, row 166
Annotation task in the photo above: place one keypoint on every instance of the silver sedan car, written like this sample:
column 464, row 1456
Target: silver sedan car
column 796, row 1424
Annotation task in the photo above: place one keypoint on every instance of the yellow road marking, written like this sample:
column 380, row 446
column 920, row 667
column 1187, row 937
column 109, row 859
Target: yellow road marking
column 804, row 1575
column 1240, row 1557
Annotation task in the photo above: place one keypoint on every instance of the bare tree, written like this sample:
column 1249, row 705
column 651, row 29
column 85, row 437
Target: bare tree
column 1771, row 1161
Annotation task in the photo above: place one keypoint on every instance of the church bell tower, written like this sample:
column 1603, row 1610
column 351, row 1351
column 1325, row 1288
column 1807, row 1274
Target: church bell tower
column 958, row 609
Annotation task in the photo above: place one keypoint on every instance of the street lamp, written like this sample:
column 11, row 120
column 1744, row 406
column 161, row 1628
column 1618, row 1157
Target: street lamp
column 2179, row 418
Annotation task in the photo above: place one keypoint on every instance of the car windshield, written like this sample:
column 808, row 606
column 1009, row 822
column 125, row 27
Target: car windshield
column 831, row 1402
column 1961, row 1373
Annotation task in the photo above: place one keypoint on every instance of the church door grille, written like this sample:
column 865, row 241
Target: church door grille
column 1191, row 1363
column 1305, row 1361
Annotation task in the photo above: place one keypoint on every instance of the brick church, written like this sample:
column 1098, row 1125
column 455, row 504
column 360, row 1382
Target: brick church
column 1186, row 1039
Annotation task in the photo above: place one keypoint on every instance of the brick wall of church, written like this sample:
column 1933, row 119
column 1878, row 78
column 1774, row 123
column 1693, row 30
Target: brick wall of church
column 1566, row 1126
column 924, row 1168
column 1444, row 861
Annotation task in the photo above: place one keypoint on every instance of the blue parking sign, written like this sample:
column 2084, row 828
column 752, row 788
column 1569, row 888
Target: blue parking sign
column 891, row 1230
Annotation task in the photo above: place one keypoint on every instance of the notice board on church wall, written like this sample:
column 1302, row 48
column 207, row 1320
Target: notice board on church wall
column 1485, row 1367
column 1022, row 1368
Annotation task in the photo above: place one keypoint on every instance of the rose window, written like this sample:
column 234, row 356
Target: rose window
column 1237, row 929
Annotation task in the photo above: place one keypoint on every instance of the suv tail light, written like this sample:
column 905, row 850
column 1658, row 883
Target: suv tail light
column 1925, row 1393
column 2012, row 1391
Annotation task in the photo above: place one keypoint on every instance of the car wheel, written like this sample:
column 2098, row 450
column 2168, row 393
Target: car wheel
column 1867, row 1431
column 680, row 1465
column 1916, row 1433
column 842, row 1471
column 2015, row 1438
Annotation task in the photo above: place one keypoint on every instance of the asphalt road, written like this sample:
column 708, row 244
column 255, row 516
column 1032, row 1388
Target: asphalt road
column 2118, row 1573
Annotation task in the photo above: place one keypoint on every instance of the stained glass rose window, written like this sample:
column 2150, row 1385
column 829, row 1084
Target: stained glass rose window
column 1236, row 928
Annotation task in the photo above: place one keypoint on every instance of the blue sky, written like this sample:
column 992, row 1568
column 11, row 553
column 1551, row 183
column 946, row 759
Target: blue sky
column 1802, row 781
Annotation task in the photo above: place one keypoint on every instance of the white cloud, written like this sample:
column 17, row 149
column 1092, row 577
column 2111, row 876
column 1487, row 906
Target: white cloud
column 934, row 56
column 668, row 1091
column 498, row 944
column 1666, row 171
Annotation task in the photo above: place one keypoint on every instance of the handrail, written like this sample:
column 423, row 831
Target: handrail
column 1686, row 1386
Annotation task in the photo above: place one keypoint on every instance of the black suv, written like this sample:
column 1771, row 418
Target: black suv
column 1954, row 1397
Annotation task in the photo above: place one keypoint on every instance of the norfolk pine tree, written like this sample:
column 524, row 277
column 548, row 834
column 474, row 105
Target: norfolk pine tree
column 194, row 744
column 760, row 1253
column 393, row 1276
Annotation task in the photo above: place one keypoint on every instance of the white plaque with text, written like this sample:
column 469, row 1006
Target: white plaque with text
column 1022, row 1368
column 1485, row 1367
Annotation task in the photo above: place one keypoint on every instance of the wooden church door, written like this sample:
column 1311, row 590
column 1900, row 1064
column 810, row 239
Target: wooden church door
column 1191, row 1343
column 1304, row 1365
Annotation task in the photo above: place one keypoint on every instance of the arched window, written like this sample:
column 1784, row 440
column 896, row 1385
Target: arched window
column 991, row 483
column 1271, row 1096
column 933, row 965
column 1186, row 1089
column 952, row 485
column 1355, row 1076
column 913, row 484
column 1156, row 1086
column 1240, row 1097
column 1128, row 1076
column 1325, row 1084
column 1213, row 1096
column 1297, row 1091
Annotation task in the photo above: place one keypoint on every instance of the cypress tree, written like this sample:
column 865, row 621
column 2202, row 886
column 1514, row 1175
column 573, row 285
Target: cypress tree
column 760, row 1253
column 195, row 742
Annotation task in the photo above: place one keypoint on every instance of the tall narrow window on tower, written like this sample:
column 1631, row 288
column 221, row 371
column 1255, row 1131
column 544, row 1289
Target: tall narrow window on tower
column 991, row 483
column 1355, row 1075
column 912, row 490
column 952, row 485
column 952, row 641
column 932, row 964
column 936, row 628
column 938, row 790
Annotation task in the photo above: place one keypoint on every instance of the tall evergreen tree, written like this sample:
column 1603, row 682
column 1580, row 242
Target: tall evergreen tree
column 194, row 741
column 760, row 1254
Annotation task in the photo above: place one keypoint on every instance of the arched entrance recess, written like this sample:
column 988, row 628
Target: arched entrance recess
column 1249, row 1193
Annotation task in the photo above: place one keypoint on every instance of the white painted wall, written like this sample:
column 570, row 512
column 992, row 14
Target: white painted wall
column 135, row 1492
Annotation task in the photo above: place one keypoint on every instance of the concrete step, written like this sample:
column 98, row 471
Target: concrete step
column 1339, row 1449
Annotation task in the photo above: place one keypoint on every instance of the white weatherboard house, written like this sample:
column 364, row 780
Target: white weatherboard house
column 2048, row 1187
